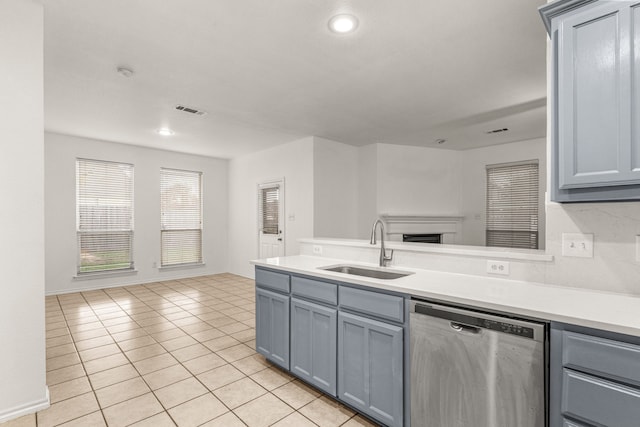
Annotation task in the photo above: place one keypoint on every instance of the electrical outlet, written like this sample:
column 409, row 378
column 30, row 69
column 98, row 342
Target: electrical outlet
column 577, row 245
column 317, row 250
column 498, row 267
column 155, row 264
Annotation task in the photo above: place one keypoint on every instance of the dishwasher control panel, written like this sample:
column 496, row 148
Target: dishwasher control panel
column 503, row 326
column 508, row 328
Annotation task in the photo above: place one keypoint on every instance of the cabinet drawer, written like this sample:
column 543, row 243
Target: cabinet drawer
column 598, row 401
column 372, row 303
column 272, row 280
column 607, row 358
column 315, row 289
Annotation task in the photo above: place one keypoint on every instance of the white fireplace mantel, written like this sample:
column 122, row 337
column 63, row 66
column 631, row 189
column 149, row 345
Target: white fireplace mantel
column 450, row 226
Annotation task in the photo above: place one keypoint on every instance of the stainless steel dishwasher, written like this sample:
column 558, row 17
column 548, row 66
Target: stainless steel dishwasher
column 475, row 369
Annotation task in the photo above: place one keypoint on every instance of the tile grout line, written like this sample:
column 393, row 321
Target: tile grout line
column 81, row 363
column 166, row 410
column 174, row 294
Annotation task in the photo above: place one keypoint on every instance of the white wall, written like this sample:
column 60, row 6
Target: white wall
column 418, row 180
column 61, row 152
column 335, row 189
column 22, row 327
column 474, row 184
column 367, row 197
column 400, row 179
column 293, row 162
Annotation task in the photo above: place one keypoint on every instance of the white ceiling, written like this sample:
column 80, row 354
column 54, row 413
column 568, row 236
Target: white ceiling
column 269, row 72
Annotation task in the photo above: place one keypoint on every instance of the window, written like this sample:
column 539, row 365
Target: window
column 512, row 205
column 104, row 215
column 180, row 217
column 270, row 209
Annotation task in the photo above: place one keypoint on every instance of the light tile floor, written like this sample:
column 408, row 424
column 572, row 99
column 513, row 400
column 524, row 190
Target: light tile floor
column 179, row 352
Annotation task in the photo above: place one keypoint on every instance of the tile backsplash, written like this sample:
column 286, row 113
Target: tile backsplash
column 614, row 226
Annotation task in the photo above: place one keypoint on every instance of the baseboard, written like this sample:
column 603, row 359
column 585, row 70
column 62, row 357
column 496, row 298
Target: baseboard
column 165, row 276
column 26, row 409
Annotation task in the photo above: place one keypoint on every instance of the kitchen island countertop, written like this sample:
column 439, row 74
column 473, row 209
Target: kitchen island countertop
column 601, row 310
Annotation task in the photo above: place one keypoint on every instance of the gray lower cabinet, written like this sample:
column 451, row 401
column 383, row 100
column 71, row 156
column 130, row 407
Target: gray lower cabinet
column 370, row 367
column 595, row 107
column 345, row 340
column 272, row 326
column 594, row 378
column 313, row 343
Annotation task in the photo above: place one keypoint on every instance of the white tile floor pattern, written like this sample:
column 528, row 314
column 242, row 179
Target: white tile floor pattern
column 178, row 352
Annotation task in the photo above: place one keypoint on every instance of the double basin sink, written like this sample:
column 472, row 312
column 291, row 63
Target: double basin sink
column 367, row 272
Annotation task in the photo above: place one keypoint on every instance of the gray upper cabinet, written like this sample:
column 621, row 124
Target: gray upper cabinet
column 635, row 88
column 595, row 90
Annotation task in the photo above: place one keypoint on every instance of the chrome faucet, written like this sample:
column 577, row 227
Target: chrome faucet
column 384, row 259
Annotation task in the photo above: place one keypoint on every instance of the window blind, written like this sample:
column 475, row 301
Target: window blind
column 104, row 215
column 512, row 205
column 270, row 207
column 181, row 217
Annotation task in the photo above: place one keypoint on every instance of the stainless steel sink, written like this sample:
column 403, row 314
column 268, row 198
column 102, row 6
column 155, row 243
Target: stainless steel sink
column 367, row 272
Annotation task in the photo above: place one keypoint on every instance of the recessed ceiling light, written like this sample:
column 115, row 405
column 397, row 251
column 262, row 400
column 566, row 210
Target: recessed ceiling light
column 165, row 132
column 343, row 24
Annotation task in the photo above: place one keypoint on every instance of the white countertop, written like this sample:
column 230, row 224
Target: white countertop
column 460, row 250
column 601, row 310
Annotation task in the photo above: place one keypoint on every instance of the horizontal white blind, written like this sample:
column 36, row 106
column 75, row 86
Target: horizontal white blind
column 512, row 205
column 181, row 217
column 104, row 211
column 270, row 207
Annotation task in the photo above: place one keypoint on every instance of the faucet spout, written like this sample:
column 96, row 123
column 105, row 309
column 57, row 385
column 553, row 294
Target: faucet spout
column 384, row 259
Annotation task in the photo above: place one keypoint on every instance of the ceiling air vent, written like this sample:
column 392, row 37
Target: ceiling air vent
column 497, row 130
column 190, row 110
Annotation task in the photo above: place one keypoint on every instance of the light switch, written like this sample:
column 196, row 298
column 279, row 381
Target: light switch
column 637, row 248
column 577, row 245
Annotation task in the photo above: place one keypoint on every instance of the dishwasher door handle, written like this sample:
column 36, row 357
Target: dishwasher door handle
column 459, row 327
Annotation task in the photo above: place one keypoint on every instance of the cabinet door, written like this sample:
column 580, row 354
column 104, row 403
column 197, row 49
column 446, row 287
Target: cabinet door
column 272, row 326
column 635, row 85
column 594, row 97
column 370, row 367
column 313, row 344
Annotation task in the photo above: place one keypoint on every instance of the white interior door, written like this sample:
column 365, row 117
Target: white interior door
column 271, row 219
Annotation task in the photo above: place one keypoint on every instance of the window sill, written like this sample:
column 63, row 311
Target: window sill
column 103, row 274
column 182, row 266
